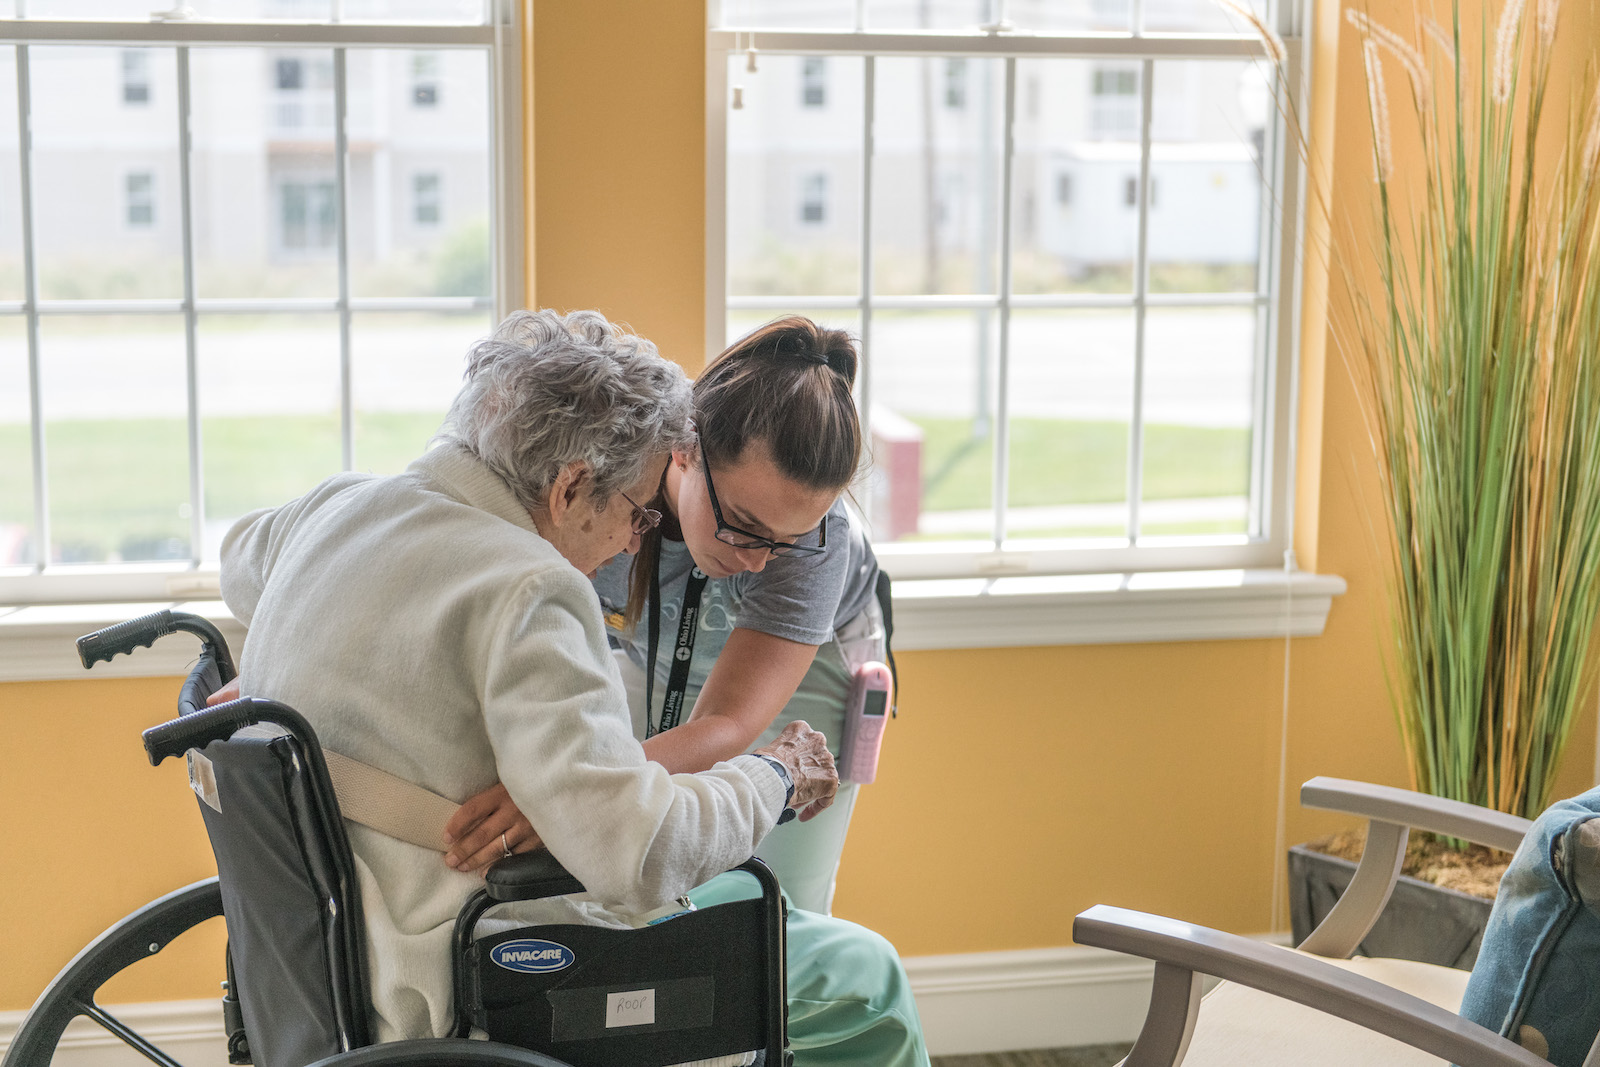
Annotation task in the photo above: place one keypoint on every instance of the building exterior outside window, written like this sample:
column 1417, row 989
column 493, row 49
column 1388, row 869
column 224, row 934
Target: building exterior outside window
column 814, row 82
column 955, row 84
column 1101, row 385
column 135, row 76
column 1116, row 102
column 814, row 199
column 308, row 214
column 425, row 79
column 425, row 209
column 139, row 189
column 289, row 300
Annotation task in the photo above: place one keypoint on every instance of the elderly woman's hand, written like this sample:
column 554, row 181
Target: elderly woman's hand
column 225, row 694
column 487, row 828
column 804, row 752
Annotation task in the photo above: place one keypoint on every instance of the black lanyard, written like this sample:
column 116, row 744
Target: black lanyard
column 682, row 654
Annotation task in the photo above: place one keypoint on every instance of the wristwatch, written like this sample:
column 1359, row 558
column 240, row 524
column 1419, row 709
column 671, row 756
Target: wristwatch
column 788, row 785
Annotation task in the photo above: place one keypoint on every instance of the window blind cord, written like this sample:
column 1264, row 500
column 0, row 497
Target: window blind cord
column 750, row 65
column 1280, row 873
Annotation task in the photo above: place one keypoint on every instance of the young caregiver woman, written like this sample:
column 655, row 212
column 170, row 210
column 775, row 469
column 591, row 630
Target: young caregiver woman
column 756, row 550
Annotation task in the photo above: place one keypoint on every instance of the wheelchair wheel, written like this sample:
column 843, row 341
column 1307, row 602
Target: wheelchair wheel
column 441, row 1052
column 72, row 993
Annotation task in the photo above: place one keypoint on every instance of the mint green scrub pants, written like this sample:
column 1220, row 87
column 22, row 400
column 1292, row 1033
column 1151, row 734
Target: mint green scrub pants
column 849, row 999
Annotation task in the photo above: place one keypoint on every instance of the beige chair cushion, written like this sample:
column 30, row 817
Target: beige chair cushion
column 1239, row 1025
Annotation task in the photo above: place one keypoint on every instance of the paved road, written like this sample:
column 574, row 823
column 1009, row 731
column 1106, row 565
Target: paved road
column 1198, row 368
column 1198, row 365
column 1021, row 521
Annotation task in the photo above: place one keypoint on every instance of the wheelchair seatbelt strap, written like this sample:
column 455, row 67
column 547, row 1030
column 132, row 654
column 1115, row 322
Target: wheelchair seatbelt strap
column 389, row 804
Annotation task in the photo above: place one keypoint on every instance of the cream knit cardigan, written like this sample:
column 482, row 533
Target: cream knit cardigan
column 423, row 626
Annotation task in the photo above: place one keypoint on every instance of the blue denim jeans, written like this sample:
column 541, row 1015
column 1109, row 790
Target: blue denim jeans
column 1537, row 979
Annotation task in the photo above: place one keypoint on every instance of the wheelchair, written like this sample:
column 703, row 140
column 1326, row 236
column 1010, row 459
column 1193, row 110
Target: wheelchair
column 296, row 990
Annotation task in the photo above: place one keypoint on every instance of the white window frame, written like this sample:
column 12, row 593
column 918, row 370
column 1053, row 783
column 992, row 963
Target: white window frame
column 25, row 591
column 1266, row 545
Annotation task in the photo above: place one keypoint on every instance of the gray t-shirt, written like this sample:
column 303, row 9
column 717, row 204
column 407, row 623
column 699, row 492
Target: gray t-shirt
column 799, row 598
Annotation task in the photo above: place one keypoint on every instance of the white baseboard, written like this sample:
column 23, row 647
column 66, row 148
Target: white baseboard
column 981, row 1002
column 188, row 1030
column 1034, row 998
column 970, row 1003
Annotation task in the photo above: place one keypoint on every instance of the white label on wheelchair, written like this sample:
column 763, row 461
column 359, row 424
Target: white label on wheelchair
column 203, row 779
column 636, row 1007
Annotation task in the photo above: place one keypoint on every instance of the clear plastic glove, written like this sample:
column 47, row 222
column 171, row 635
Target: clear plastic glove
column 483, row 828
column 804, row 753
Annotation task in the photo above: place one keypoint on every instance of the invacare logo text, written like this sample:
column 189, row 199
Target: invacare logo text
column 532, row 956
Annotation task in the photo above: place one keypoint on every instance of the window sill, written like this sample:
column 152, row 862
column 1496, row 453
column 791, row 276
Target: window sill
column 36, row 643
column 1111, row 609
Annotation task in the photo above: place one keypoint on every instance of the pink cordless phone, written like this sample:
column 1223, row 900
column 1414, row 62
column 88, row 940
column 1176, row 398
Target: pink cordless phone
column 864, row 719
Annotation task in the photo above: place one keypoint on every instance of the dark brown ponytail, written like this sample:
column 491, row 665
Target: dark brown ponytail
column 788, row 385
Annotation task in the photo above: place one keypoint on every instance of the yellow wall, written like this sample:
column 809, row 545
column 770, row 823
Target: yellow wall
column 1019, row 786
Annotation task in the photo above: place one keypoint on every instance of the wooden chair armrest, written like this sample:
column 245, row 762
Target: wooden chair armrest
column 1391, row 813
column 1183, row 947
column 1452, row 818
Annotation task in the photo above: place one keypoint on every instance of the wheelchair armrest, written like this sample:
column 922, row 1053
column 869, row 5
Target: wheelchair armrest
column 529, row 876
column 1483, row 826
column 1182, row 949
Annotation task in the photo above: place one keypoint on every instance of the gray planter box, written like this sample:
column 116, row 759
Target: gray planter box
column 1422, row 921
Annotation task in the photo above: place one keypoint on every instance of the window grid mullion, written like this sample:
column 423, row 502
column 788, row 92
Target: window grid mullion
column 1002, row 400
column 30, row 282
column 937, row 44
column 869, row 89
column 191, row 346
column 1268, row 256
column 341, row 100
column 1141, row 282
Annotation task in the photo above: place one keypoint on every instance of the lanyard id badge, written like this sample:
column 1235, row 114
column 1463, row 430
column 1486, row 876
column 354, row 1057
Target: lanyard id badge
column 682, row 652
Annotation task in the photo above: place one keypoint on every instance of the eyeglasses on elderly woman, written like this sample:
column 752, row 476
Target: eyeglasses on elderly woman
column 644, row 519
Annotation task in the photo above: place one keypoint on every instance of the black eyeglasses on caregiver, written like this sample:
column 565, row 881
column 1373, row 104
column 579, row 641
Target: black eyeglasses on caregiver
column 732, row 535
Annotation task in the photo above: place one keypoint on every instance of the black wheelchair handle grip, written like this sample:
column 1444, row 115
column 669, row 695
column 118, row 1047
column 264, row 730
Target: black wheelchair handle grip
column 197, row 730
column 124, row 637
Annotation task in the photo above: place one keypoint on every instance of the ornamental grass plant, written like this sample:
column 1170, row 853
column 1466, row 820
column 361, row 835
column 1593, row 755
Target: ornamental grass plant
column 1476, row 357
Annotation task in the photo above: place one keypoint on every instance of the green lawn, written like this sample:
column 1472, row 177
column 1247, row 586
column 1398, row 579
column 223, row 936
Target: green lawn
column 1056, row 461
column 122, row 485
column 119, row 488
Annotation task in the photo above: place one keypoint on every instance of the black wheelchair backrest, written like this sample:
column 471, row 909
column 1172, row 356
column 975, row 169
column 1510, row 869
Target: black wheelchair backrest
column 294, row 921
column 288, row 881
column 289, row 891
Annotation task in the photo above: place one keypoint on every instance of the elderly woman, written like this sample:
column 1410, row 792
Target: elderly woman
column 439, row 625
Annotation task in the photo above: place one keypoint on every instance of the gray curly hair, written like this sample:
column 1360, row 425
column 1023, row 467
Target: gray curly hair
column 546, row 390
